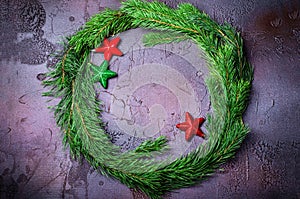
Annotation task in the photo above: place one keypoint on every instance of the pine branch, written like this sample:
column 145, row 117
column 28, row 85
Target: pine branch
column 152, row 39
column 158, row 16
column 148, row 146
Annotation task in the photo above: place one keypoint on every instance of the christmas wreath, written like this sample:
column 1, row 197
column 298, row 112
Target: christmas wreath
column 78, row 111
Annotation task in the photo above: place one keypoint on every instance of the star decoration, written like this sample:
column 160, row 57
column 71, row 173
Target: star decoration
column 191, row 126
column 102, row 74
column 109, row 48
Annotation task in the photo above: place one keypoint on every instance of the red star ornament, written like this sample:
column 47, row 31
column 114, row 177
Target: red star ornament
column 109, row 48
column 191, row 126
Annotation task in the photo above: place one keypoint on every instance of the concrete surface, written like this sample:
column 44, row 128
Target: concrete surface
column 33, row 162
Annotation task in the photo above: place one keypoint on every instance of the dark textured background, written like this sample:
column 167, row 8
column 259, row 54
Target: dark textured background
column 33, row 163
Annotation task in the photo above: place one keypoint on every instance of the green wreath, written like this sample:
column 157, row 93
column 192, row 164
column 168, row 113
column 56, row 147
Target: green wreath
column 77, row 113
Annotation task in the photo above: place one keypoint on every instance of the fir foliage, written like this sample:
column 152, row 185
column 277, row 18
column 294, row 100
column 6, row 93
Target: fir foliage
column 229, row 85
column 155, row 38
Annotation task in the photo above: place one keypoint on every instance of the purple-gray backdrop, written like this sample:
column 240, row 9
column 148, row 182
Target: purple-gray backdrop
column 33, row 163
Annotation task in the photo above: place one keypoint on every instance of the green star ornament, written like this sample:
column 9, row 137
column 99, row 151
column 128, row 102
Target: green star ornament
column 102, row 73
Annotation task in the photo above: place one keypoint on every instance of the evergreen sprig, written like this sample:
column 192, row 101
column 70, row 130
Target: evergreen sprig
column 229, row 85
column 155, row 38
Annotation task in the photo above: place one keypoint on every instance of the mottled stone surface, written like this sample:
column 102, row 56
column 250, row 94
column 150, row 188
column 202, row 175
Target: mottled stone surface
column 33, row 162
